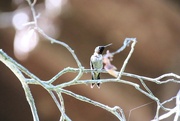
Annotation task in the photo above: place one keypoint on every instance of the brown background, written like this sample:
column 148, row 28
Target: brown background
column 85, row 24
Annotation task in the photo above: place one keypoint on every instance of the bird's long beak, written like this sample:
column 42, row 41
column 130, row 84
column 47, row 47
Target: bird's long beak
column 107, row 45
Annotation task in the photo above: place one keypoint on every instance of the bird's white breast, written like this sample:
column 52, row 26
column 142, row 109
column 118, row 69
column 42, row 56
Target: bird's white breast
column 96, row 60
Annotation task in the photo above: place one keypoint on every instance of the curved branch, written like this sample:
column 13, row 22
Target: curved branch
column 22, row 79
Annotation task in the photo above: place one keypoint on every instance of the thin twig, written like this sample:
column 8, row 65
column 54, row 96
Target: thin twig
column 138, row 108
column 127, row 59
column 85, row 99
column 59, row 107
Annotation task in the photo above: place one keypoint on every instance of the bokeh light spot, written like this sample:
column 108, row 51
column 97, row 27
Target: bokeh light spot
column 19, row 19
column 25, row 42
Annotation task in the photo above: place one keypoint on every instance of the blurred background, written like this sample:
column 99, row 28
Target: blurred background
column 83, row 25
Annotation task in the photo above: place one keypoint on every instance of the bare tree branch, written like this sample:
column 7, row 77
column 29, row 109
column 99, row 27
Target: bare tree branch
column 58, row 89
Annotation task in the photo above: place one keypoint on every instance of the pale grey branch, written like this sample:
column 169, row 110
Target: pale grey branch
column 58, row 89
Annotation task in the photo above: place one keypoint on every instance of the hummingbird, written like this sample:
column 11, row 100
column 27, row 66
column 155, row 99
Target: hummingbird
column 96, row 63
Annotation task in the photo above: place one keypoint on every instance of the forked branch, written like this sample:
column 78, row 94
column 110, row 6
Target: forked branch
column 58, row 89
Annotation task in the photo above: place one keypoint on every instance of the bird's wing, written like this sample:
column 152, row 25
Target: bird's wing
column 92, row 67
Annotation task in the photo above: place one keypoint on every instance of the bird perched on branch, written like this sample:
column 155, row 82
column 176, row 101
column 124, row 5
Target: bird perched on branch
column 96, row 63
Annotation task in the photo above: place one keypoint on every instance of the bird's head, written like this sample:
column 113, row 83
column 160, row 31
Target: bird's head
column 100, row 49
